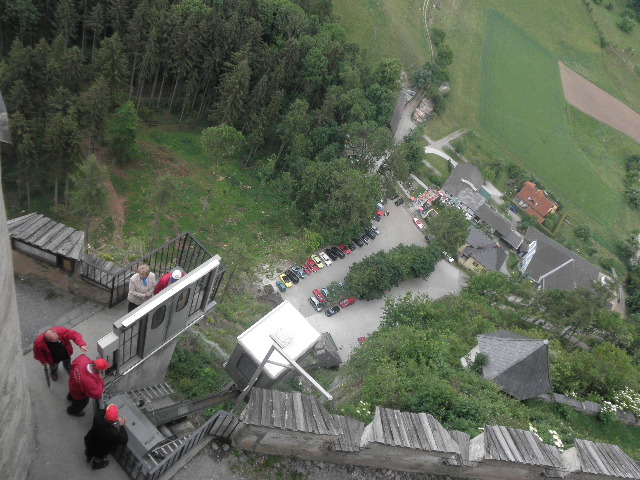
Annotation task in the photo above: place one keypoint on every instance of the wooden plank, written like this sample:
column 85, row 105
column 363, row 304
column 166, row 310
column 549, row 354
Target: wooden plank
column 390, row 428
column 254, row 407
column 504, row 434
column 299, row 423
column 289, row 418
column 15, row 223
column 426, row 428
column 532, row 442
column 309, row 416
column 321, row 426
column 598, row 465
column 265, row 411
column 532, row 455
column 610, row 459
column 402, row 428
column 59, row 239
column 586, row 463
column 421, row 435
column 278, row 408
column 448, row 443
column 378, row 432
column 33, row 231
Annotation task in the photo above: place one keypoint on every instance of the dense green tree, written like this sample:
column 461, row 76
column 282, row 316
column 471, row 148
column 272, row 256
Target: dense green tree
column 88, row 192
column 234, row 90
column 369, row 144
column 93, row 108
column 111, row 64
column 66, row 20
column 64, row 146
column 387, row 74
column 449, row 229
column 122, row 133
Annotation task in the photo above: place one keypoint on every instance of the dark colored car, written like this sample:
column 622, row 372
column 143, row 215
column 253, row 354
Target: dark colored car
column 281, row 286
column 399, row 201
column 358, row 242
column 299, row 271
column 332, row 255
column 372, row 231
column 337, row 252
column 332, row 311
column 368, row 234
column 292, row 276
column 395, row 196
column 351, row 245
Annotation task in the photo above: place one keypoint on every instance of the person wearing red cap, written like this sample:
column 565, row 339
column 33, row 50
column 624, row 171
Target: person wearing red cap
column 166, row 280
column 86, row 380
column 106, row 433
column 54, row 346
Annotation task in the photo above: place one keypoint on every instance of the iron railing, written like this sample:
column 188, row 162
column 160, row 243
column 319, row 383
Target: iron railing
column 221, row 426
column 184, row 251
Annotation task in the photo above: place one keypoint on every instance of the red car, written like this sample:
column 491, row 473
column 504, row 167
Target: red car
column 312, row 265
column 307, row 269
column 345, row 249
column 347, row 301
column 318, row 294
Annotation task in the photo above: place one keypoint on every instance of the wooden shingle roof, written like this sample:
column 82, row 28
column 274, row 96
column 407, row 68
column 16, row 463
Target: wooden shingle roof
column 349, row 440
column 520, row 446
column 289, row 411
column 411, row 430
column 45, row 234
column 605, row 459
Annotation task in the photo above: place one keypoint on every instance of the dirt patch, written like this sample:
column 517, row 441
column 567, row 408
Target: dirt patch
column 595, row 102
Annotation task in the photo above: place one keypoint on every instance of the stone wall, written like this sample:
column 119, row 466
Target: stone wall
column 73, row 283
column 589, row 408
column 16, row 424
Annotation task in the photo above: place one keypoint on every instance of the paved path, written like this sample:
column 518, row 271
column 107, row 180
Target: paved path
column 440, row 153
column 445, row 141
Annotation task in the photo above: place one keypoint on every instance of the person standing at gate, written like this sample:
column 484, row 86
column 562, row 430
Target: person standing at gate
column 141, row 286
column 86, row 381
column 167, row 279
column 106, row 433
column 54, row 346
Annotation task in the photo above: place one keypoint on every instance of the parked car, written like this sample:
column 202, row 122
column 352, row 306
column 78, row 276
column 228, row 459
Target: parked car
column 448, row 257
column 358, row 242
column 315, row 304
column 330, row 254
column 312, row 265
column 307, row 269
column 292, row 276
column 372, row 231
column 316, row 259
column 281, row 286
column 332, row 311
column 418, row 224
column 375, row 229
column 286, row 280
column 371, row 235
column 325, row 292
column 399, row 202
column 299, row 271
column 318, row 294
column 365, row 239
column 395, row 196
column 351, row 245
column 345, row 249
column 347, row 301
column 337, row 252
column 325, row 258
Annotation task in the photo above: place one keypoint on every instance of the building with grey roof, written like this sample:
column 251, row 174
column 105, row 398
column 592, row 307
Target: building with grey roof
column 482, row 252
column 553, row 266
column 519, row 364
column 500, row 225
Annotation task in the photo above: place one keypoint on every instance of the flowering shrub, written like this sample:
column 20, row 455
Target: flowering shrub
column 608, row 412
column 627, row 399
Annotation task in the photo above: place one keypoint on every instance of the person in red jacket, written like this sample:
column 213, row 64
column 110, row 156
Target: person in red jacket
column 54, row 346
column 86, row 381
column 166, row 280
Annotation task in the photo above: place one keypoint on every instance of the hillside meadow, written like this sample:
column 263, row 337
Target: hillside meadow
column 506, row 89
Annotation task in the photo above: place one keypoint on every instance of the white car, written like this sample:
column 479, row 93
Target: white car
column 418, row 224
column 325, row 258
column 448, row 257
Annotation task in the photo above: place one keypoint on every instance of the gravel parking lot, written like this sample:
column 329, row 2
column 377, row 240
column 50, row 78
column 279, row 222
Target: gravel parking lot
column 363, row 317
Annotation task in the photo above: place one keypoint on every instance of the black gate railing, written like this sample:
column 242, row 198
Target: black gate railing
column 220, row 426
column 184, row 251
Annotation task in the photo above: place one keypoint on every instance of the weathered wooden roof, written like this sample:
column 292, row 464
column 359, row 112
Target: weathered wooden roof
column 289, row 411
column 411, row 430
column 605, row 459
column 349, row 441
column 520, row 446
column 48, row 235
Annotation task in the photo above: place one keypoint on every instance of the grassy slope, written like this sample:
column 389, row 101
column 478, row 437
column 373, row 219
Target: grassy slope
column 385, row 29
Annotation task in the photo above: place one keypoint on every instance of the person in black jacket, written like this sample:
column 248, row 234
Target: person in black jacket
column 107, row 432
